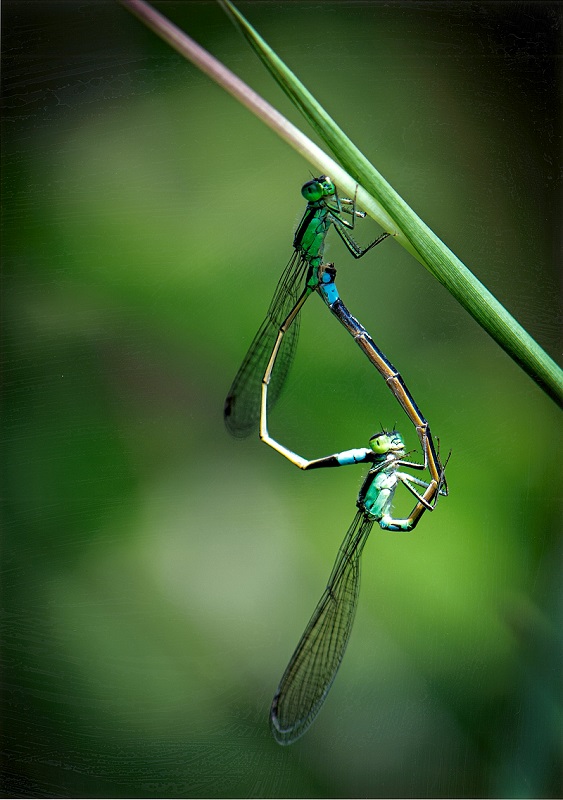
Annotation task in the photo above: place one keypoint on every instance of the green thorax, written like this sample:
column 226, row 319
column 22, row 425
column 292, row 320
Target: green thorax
column 378, row 490
column 311, row 233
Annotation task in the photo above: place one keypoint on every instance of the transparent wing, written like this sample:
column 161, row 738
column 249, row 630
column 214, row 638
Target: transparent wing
column 242, row 406
column 315, row 662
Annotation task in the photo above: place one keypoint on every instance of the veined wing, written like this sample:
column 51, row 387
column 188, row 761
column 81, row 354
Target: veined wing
column 242, row 406
column 315, row 662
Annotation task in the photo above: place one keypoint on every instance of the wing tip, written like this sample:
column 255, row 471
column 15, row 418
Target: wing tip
column 239, row 428
column 285, row 735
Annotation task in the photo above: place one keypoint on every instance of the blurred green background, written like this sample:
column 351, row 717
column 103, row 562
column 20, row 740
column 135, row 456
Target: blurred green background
column 157, row 574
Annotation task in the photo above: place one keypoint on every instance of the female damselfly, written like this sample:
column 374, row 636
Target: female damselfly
column 315, row 662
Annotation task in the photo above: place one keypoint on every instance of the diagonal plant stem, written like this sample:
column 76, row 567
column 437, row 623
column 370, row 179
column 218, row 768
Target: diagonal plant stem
column 375, row 195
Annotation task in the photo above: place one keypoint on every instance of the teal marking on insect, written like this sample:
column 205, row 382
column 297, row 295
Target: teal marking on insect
column 352, row 456
column 324, row 208
column 327, row 288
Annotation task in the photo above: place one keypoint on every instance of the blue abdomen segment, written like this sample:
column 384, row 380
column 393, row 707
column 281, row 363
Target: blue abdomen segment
column 352, row 456
column 328, row 290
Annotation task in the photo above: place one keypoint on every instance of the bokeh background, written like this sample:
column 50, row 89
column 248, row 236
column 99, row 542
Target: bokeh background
column 157, row 574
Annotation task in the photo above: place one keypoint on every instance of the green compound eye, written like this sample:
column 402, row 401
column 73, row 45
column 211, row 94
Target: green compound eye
column 385, row 442
column 379, row 443
column 312, row 191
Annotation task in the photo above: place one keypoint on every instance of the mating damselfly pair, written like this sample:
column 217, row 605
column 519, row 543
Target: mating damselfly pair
column 257, row 385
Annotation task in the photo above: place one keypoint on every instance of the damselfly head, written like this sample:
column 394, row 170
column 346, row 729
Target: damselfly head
column 318, row 188
column 387, row 442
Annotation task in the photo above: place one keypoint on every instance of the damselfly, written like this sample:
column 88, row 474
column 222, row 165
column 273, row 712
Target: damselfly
column 277, row 336
column 324, row 208
column 315, row 662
